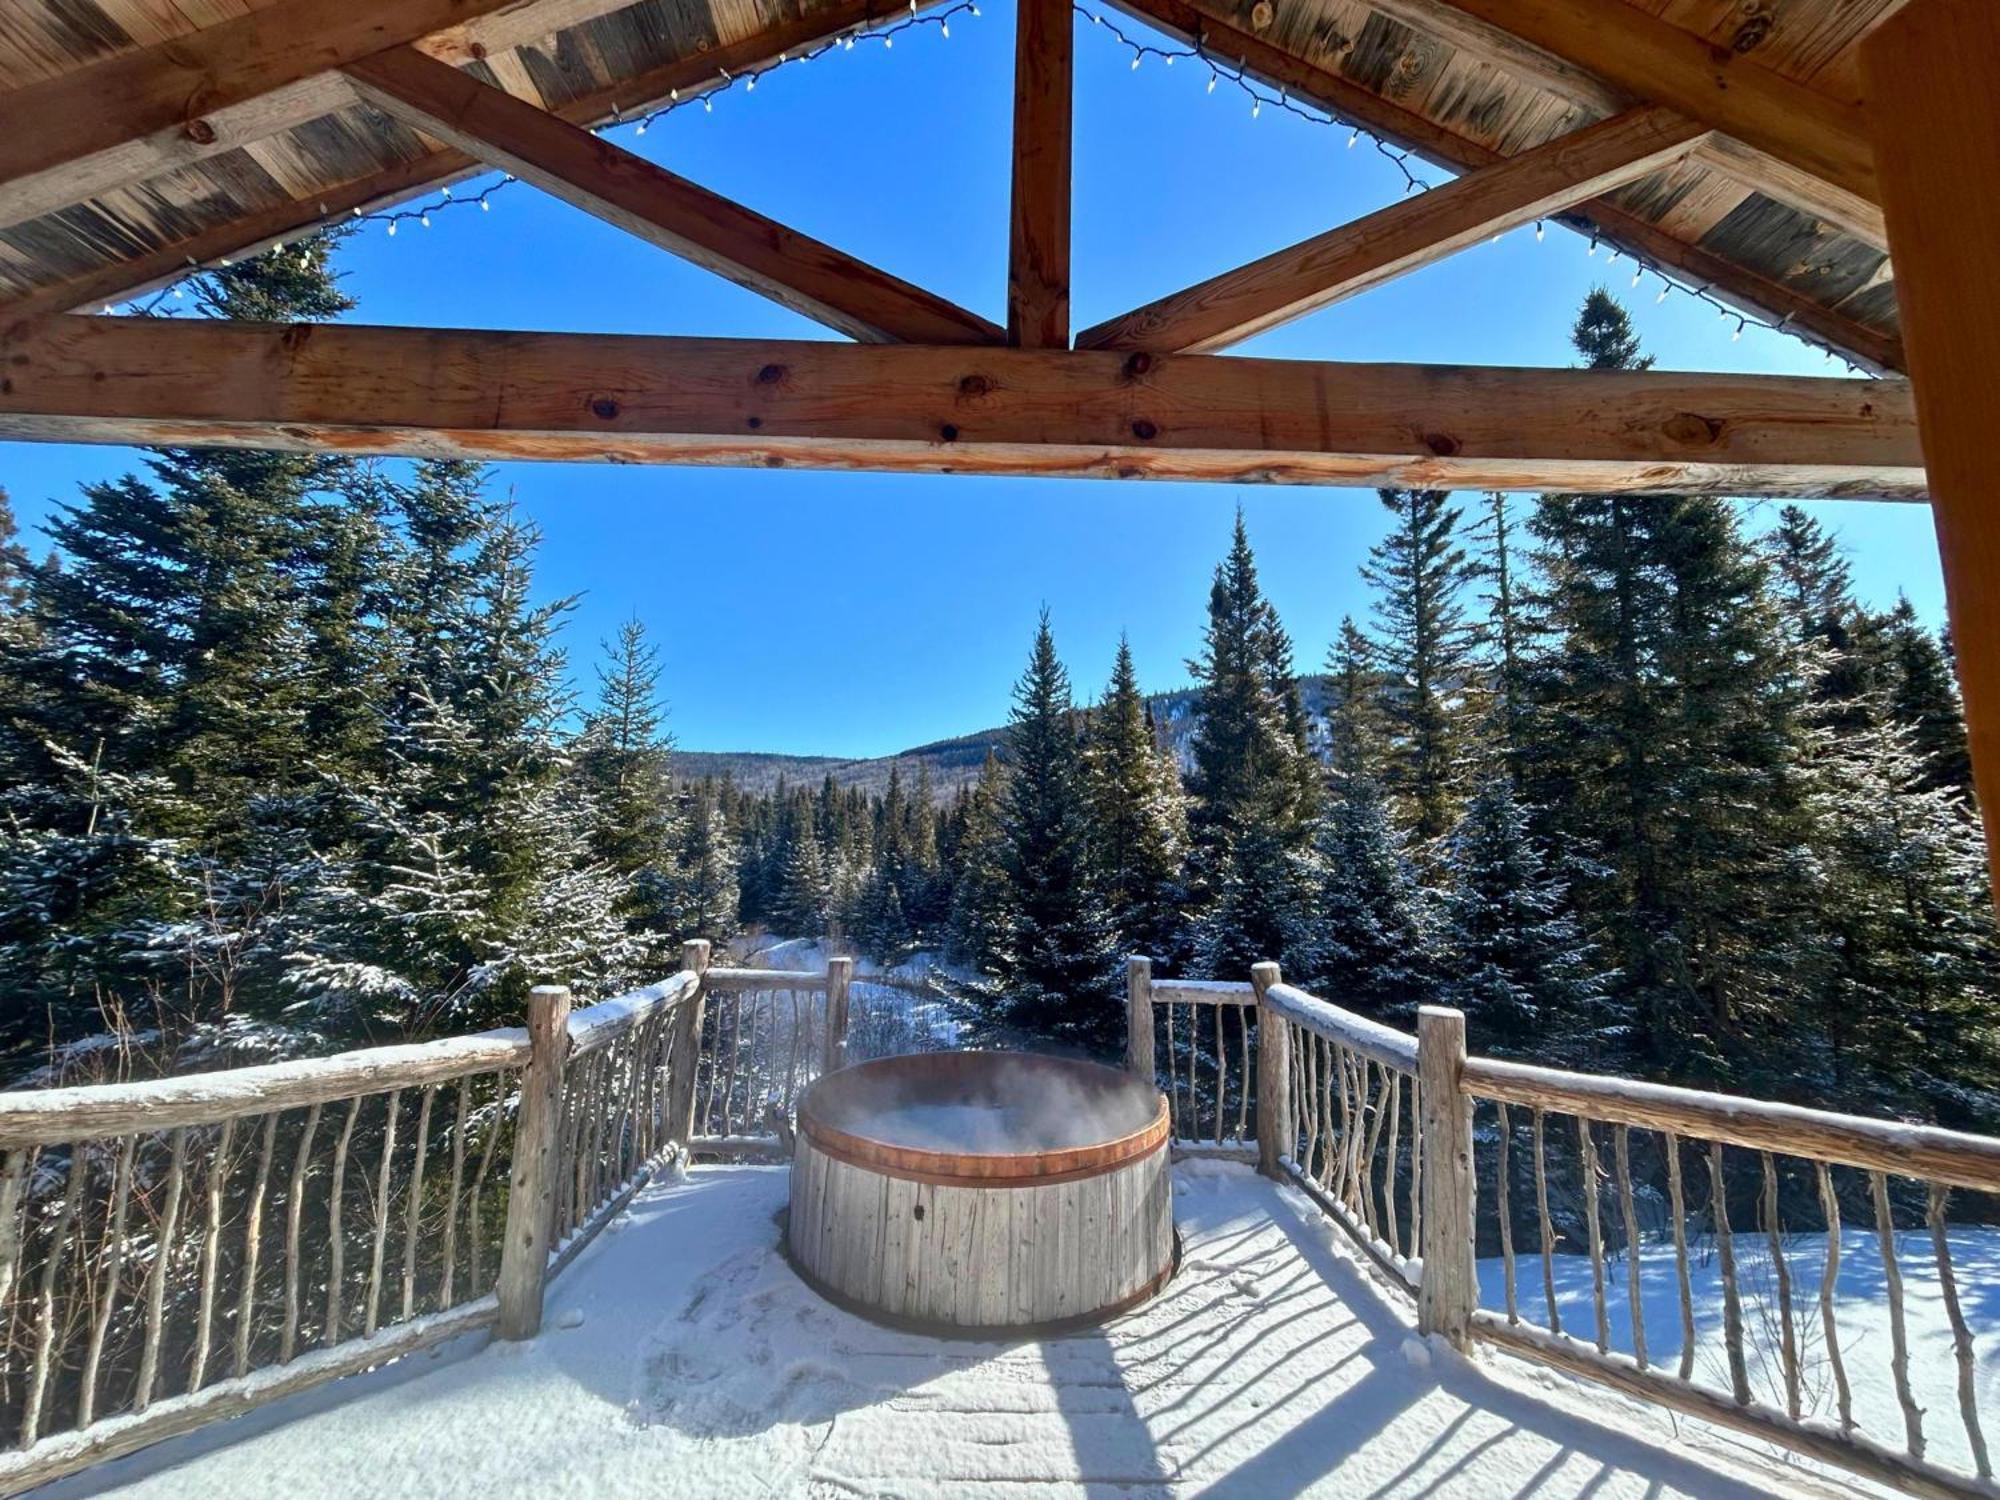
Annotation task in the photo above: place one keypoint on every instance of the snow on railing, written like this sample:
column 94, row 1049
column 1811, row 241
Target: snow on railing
column 1421, row 1154
column 1177, row 1035
column 766, row 1034
column 178, row 1250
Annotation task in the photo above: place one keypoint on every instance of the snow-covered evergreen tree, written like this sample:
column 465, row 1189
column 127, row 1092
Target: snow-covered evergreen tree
column 1139, row 815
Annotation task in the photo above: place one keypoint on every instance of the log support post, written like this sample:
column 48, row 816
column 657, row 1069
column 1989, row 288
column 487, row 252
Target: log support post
column 1449, row 1290
column 531, row 1188
column 839, row 978
column 1274, row 1076
column 1929, row 69
column 1038, row 255
column 687, row 1043
column 1139, row 1017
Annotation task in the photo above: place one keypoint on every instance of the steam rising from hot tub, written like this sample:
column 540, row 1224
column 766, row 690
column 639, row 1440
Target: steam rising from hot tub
column 1017, row 1106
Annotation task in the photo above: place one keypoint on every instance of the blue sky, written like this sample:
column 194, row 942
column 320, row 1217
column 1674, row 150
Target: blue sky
column 860, row 614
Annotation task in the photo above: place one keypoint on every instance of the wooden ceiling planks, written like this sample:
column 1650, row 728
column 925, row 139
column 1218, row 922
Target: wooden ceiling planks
column 1475, row 92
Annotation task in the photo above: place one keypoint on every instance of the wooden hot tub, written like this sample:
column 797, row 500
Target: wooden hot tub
column 982, row 1190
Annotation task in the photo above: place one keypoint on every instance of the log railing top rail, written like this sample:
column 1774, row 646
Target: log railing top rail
column 1924, row 1151
column 720, row 978
column 1204, row 992
column 1378, row 1043
column 35, row 1117
column 600, row 1024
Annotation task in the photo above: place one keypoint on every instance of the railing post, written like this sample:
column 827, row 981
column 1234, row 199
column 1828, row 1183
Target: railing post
column 1274, row 1075
column 1449, row 1290
column 1139, row 1017
column 687, row 1042
column 839, row 975
column 524, row 1253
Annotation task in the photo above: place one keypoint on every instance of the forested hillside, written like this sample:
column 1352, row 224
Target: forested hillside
column 292, row 758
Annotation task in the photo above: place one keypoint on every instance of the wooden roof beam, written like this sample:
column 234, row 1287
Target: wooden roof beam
column 993, row 410
column 1039, row 212
column 624, row 189
column 1756, row 294
column 1407, row 235
column 379, row 189
column 1487, row 42
column 1649, row 58
column 134, row 116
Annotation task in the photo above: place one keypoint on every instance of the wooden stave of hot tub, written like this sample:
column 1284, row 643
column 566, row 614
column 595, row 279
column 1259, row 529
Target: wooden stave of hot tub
column 972, row 1243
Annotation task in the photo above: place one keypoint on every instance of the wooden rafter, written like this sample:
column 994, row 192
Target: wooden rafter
column 988, row 410
column 1484, row 41
column 1650, row 58
column 1038, row 253
column 664, row 209
column 251, row 232
column 1754, row 293
column 134, row 116
column 1403, row 237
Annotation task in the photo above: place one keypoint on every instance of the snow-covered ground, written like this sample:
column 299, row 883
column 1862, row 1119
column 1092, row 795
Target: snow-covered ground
column 1861, row 1322
column 682, row 1357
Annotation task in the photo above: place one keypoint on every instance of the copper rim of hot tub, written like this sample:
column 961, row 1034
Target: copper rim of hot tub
column 983, row 1241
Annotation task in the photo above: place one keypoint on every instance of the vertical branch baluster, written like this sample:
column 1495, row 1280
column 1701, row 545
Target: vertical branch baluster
column 709, row 1056
column 1548, row 1230
column 792, row 1055
column 1375, row 1085
column 412, row 1219
column 253, row 1244
column 13, row 1178
column 1389, row 1164
column 1961, row 1336
column 1243, row 1059
column 1221, row 1084
column 121, row 1199
column 1173, row 1077
column 1622, row 1164
column 474, row 1245
column 1678, row 1207
column 1506, row 1217
column 1829, row 1204
column 1899, row 1341
column 294, row 1209
column 452, row 1199
column 1732, row 1303
column 45, row 1301
column 735, row 1053
column 1337, row 1065
column 336, row 1247
column 211, row 1257
column 383, row 1178
column 1416, row 1162
column 156, row 1279
column 1588, row 1145
column 1787, row 1339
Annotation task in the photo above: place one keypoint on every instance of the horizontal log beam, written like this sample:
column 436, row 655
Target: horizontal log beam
column 1720, row 277
column 131, row 117
column 633, row 399
column 1409, row 234
column 613, row 184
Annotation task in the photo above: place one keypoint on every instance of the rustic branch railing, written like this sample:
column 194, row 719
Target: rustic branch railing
column 178, row 1251
column 1193, row 1038
column 1378, row 1127
column 765, row 1035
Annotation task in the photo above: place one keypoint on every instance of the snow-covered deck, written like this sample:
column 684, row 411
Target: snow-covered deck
column 682, row 1356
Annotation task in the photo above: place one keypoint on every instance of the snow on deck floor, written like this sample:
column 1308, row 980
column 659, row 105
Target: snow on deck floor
column 681, row 1356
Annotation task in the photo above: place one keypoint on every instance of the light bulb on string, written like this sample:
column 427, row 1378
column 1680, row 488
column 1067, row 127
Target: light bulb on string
column 1353, row 140
column 1663, row 294
column 1211, row 82
column 1540, row 230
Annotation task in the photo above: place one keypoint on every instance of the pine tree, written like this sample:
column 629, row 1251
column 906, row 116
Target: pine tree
column 1059, row 968
column 1425, row 646
column 1140, row 820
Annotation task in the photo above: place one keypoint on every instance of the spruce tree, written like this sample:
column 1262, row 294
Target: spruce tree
column 1060, row 968
column 982, row 911
column 1140, row 820
column 1253, row 777
column 1424, row 643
